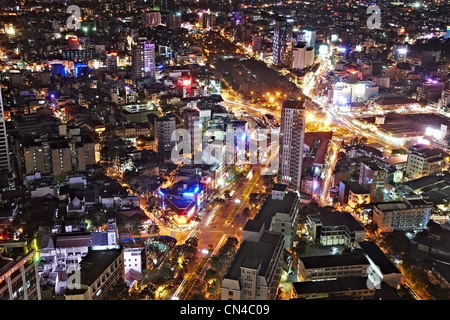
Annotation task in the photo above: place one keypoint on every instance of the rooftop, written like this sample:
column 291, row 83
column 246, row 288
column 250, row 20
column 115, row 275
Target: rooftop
column 378, row 257
column 339, row 285
column 337, row 218
column 334, row 260
column 269, row 208
column 253, row 254
column 95, row 263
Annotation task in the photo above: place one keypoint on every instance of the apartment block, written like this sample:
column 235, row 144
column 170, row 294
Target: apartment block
column 408, row 214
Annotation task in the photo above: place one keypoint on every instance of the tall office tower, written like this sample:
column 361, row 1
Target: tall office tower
column 292, row 134
column 399, row 52
column 165, row 5
column 373, row 177
column 4, row 151
column 164, row 126
column 111, row 62
column 61, row 159
column 282, row 41
column 298, row 56
column 193, row 125
column 256, row 43
column 309, row 56
column 152, row 18
column 173, row 20
column 143, row 60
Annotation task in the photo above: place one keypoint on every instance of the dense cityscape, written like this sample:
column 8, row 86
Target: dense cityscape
column 224, row 150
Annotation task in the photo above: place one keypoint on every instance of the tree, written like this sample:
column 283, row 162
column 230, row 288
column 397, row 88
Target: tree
column 397, row 242
column 399, row 151
column 210, row 274
column 371, row 227
column 118, row 291
column 246, row 212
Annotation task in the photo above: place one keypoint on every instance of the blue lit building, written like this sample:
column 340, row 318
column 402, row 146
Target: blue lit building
column 81, row 69
column 58, row 68
column 182, row 201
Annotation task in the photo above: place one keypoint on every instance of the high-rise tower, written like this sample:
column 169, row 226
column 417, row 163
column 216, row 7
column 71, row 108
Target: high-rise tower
column 292, row 133
column 4, row 151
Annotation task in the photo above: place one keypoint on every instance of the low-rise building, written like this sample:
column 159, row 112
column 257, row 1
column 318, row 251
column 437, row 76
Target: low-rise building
column 408, row 214
column 277, row 214
column 99, row 271
column 335, row 228
column 350, row 288
column 255, row 272
column 358, row 195
column 19, row 279
column 332, row 267
column 424, row 161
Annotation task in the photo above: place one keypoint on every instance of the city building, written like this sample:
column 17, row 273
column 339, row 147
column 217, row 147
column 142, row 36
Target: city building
column 164, row 127
column 99, row 271
column 61, row 159
column 373, row 177
column 143, row 60
column 335, row 228
column 350, row 288
column 19, row 279
column 182, row 201
column 332, row 267
column 399, row 52
column 408, row 214
column 292, row 132
column 278, row 214
column 111, row 62
column 4, row 149
column 192, row 124
column 358, row 195
column 282, row 41
column 152, row 18
column 255, row 272
column 299, row 56
column 236, row 142
column 423, row 161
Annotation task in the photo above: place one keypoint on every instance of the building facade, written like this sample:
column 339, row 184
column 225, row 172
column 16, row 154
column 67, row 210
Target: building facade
column 292, row 134
column 409, row 214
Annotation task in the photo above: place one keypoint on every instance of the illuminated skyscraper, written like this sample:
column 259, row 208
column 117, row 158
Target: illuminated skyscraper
column 282, row 41
column 143, row 60
column 292, row 134
column 399, row 52
column 4, row 151
column 193, row 125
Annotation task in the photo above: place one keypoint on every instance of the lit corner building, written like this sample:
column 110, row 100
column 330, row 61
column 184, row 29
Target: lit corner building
column 183, row 200
column 19, row 279
column 143, row 60
column 292, row 134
